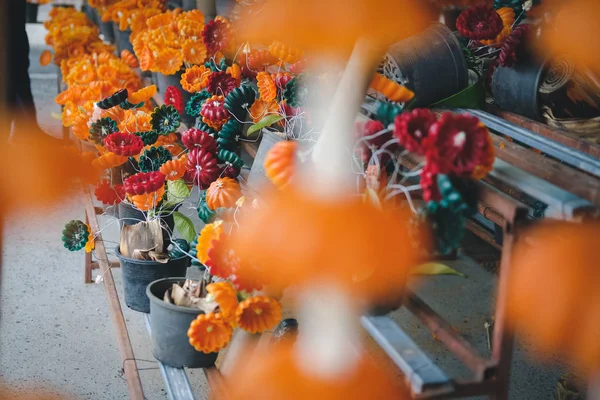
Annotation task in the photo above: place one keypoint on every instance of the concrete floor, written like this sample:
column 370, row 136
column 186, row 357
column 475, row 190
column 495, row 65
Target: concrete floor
column 56, row 330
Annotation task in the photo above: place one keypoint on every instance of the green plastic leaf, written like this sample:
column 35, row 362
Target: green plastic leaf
column 472, row 96
column 184, row 226
column 177, row 190
column 435, row 269
column 263, row 123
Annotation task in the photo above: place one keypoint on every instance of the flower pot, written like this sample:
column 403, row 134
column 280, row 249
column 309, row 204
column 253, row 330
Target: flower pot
column 431, row 64
column 170, row 323
column 31, row 13
column 257, row 177
column 137, row 274
column 516, row 89
column 187, row 5
column 123, row 42
column 223, row 7
column 129, row 215
column 208, row 8
column 164, row 81
column 107, row 31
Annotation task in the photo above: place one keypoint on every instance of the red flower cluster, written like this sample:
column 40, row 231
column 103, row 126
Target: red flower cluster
column 214, row 113
column 512, row 46
column 124, row 144
column 224, row 262
column 173, row 97
column 108, row 194
column 221, row 83
column 412, row 128
column 479, row 22
column 144, row 182
column 216, row 36
column 194, row 138
column 203, row 166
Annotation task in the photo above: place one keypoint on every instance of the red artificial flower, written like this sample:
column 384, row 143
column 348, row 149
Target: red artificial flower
column 412, row 128
column 205, row 167
column 173, row 97
column 458, row 143
column 124, row 144
column 479, row 22
column 368, row 146
column 431, row 192
column 221, row 83
column 512, row 46
column 108, row 194
column 144, row 182
column 281, row 80
column 298, row 67
column 194, row 138
column 214, row 113
column 216, row 36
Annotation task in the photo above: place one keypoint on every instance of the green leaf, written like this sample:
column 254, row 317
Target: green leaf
column 177, row 191
column 185, row 226
column 263, row 123
column 435, row 269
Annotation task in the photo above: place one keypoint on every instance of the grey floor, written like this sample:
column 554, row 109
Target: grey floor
column 56, row 331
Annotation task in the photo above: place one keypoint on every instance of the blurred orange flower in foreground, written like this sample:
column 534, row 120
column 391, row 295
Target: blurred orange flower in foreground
column 299, row 238
column 275, row 375
column 554, row 290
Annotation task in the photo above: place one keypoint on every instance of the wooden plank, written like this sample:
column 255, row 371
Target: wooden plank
column 134, row 384
column 216, row 381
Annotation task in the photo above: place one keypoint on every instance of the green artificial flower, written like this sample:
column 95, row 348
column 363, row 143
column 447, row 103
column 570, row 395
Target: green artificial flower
column 179, row 248
column 194, row 105
column 229, row 136
column 205, row 128
column 295, row 92
column 113, row 100
column 102, row 128
column 153, row 158
column 214, row 67
column 165, row 119
column 230, row 158
column 75, row 235
column 126, row 105
column 148, row 137
column 204, row 213
column 239, row 100
column 386, row 112
column 194, row 253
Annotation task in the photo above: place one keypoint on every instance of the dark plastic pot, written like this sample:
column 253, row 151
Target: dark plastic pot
column 129, row 215
column 137, row 275
column 164, row 81
column 516, row 89
column 431, row 64
column 124, row 43
column 31, row 13
column 187, row 5
column 170, row 323
column 107, row 31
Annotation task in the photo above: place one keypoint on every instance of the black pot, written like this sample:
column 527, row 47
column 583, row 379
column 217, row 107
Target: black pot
column 129, row 215
column 187, row 5
column 137, row 274
column 31, row 13
column 170, row 323
column 516, row 89
column 164, row 81
column 107, row 31
column 123, row 42
column 431, row 64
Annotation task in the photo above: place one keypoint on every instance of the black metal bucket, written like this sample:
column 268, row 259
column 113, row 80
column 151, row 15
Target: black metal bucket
column 129, row 215
column 137, row 275
column 107, row 30
column 516, row 89
column 170, row 323
column 431, row 64
column 124, row 43
column 31, row 13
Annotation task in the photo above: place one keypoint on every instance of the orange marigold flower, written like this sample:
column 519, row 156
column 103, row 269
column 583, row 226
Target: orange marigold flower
column 168, row 61
column 209, row 333
column 226, row 297
column 190, row 29
column 164, row 140
column 258, row 314
column 147, row 60
column 109, row 160
column 284, row 52
column 80, row 127
column 173, row 169
column 106, row 72
column 194, row 15
column 159, row 20
column 209, row 233
column 194, row 52
column 135, row 121
column 195, row 79
column 261, row 109
column 266, row 87
column 142, row 95
column 147, row 201
column 236, row 72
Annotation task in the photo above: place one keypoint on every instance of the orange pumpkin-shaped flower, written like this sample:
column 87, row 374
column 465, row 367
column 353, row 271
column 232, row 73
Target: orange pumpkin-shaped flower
column 236, row 72
column 69, row 113
column 266, row 87
column 168, row 61
column 142, row 95
column 147, row 60
column 258, row 314
column 147, row 201
column 195, row 79
column 208, row 234
column 285, row 53
column 159, row 20
column 194, row 52
column 223, row 193
column 209, row 333
column 129, row 59
column 225, row 295
column 45, row 58
column 104, row 57
column 280, row 163
column 166, row 139
column 391, row 90
column 106, row 73
column 554, row 297
column 190, row 29
column 80, row 127
column 173, row 169
column 109, row 160
column 261, row 109
column 194, row 15
column 135, row 121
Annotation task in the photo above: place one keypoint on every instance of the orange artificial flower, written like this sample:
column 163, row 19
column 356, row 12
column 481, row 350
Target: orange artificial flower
column 190, row 29
column 285, row 53
column 147, row 201
column 168, row 61
column 80, row 127
column 129, row 59
column 135, row 121
column 173, row 169
column 194, row 52
column 106, row 72
column 258, row 314
column 147, row 60
column 261, row 109
column 195, row 79
column 236, row 72
column 266, row 87
column 209, row 333
column 209, row 233
column 225, row 295
column 69, row 113
column 280, row 163
column 194, row 15
column 391, row 90
column 159, row 21
column 45, row 58
column 109, row 160
column 142, row 95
